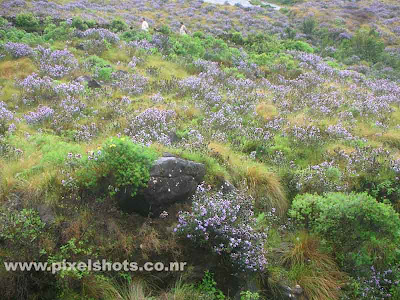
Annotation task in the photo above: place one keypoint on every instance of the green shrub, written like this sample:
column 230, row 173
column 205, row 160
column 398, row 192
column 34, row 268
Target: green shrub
column 367, row 45
column 104, row 73
column 361, row 231
column 3, row 22
column 237, row 38
column 299, row 45
column 248, row 295
column 117, row 25
column 208, row 286
column 20, row 36
column 119, row 164
column 27, row 21
column 79, row 24
column 165, row 29
column 21, row 227
column 261, row 43
column 309, row 25
column 57, row 33
column 135, row 35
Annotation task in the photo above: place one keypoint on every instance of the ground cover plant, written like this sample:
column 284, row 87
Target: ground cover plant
column 294, row 114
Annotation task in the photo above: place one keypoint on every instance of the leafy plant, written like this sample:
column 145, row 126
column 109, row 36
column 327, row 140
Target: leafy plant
column 118, row 25
column 208, row 286
column 118, row 164
column 361, row 230
column 248, row 295
column 27, row 21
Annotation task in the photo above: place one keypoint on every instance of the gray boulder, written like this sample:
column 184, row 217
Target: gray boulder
column 172, row 180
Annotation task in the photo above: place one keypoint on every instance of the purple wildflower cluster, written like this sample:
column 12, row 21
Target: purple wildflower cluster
column 117, row 107
column 133, row 84
column 226, row 223
column 152, row 125
column 5, row 116
column 42, row 114
column 17, row 50
column 321, row 178
column 309, row 135
column 35, row 88
column 85, row 133
column 379, row 284
column 57, row 63
column 142, row 45
column 99, row 34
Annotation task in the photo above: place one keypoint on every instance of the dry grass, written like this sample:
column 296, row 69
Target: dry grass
column 391, row 138
column 18, row 68
column 307, row 249
column 263, row 184
column 316, row 272
column 104, row 289
column 267, row 111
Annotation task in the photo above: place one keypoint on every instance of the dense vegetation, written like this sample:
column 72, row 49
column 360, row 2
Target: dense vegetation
column 299, row 112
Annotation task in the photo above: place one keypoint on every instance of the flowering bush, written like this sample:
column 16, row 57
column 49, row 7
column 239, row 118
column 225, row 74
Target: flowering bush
column 226, row 223
column 57, row 63
column 380, row 285
column 133, row 84
column 152, row 125
column 17, row 50
column 5, row 116
column 42, row 114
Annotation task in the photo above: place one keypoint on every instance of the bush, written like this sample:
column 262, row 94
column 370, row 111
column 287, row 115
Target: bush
column 79, row 24
column 362, row 231
column 208, row 286
column 299, row 46
column 57, row 33
column 22, row 227
column 118, row 25
column 118, row 164
column 225, row 223
column 309, row 25
column 367, row 45
column 27, row 21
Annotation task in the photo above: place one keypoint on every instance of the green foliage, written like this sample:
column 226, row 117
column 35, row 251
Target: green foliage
column 165, row 29
column 299, row 46
column 79, row 24
column 135, row 35
column 237, row 38
column 208, row 286
column 104, row 73
column 309, row 25
column 20, row 36
column 100, row 67
column 200, row 46
column 27, row 21
column 291, row 33
column 261, row 43
column 118, row 25
column 21, row 227
column 57, row 33
column 367, row 45
column 117, row 165
column 362, row 231
column 3, row 22
column 247, row 295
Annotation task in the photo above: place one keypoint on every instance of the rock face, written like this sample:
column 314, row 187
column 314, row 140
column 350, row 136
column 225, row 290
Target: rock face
column 172, row 180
